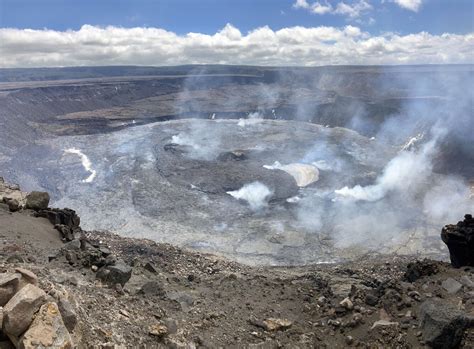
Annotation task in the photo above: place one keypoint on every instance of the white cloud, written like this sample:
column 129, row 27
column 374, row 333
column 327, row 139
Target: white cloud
column 351, row 10
column 92, row 45
column 301, row 4
column 412, row 5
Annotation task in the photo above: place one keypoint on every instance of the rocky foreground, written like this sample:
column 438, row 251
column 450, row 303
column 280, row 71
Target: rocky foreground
column 62, row 287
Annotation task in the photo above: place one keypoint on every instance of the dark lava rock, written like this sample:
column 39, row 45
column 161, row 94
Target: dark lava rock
column 442, row 324
column 119, row 273
column 63, row 216
column 418, row 269
column 37, row 200
column 460, row 240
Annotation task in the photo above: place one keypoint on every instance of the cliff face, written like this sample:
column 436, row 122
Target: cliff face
column 325, row 95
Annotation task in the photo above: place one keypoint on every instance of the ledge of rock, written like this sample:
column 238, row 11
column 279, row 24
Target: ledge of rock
column 460, row 240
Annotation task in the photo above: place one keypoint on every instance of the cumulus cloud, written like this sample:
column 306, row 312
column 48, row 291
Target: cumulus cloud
column 92, row 45
column 351, row 10
column 412, row 5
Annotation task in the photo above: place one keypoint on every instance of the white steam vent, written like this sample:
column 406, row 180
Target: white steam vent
column 256, row 194
column 85, row 162
column 303, row 174
column 253, row 119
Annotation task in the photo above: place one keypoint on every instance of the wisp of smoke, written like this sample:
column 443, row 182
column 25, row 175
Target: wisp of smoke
column 256, row 194
column 404, row 172
column 204, row 143
column 253, row 119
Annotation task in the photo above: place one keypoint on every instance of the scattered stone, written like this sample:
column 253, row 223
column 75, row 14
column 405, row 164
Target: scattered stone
column 37, row 200
column 171, row 325
column 67, row 234
column 451, row 286
column 441, row 323
column 347, row 304
column 74, row 245
column 273, row 324
column 15, row 258
column 152, row 288
column 150, row 267
column 119, row 273
column 8, row 286
column 371, row 299
column 383, row 323
column 124, row 313
column 68, row 314
column 158, row 330
column 105, row 251
column 466, row 281
column 419, row 269
column 18, row 312
column 47, row 330
column 27, row 276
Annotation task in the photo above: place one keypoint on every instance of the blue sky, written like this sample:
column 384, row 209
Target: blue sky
column 40, row 33
column 208, row 16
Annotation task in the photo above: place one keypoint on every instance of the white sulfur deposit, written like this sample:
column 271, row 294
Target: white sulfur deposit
column 85, row 162
column 303, row 174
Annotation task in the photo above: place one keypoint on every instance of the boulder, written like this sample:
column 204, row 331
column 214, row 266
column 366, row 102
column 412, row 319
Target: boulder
column 460, row 241
column 442, row 324
column 47, row 330
column 119, row 273
column 18, row 312
column 37, row 200
column 8, row 286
